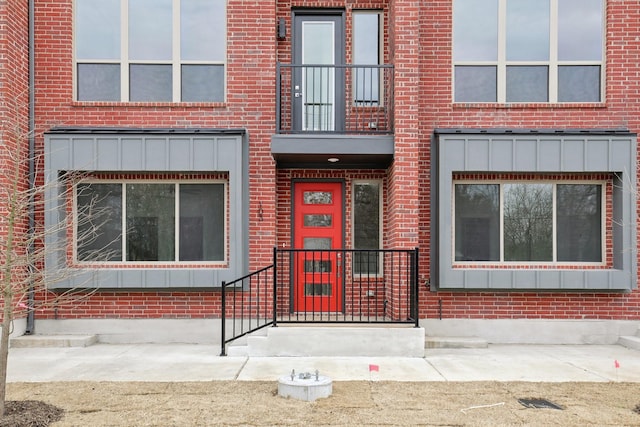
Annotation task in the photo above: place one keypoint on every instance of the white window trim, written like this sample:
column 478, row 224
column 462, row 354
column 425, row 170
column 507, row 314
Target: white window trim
column 124, row 62
column 176, row 183
column 379, row 182
column 553, row 63
column 555, row 262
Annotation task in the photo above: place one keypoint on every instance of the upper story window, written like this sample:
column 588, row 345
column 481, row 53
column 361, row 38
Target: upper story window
column 139, row 221
column 528, row 50
column 150, row 50
column 367, row 33
column 528, row 221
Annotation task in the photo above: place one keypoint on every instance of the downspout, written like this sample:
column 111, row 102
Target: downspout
column 32, row 150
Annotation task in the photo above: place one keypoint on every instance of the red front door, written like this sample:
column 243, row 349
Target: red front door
column 317, row 228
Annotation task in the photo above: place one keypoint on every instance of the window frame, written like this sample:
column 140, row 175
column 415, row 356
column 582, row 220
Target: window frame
column 176, row 62
column 176, row 262
column 380, row 183
column 554, row 262
column 552, row 64
column 368, row 102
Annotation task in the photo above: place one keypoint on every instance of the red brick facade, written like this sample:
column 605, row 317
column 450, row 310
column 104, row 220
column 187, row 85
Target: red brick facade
column 418, row 42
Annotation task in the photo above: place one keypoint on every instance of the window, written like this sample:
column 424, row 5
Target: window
column 528, row 50
column 366, row 56
column 528, row 222
column 366, row 227
column 150, row 50
column 167, row 222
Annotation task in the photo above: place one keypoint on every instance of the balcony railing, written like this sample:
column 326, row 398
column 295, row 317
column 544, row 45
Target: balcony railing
column 348, row 99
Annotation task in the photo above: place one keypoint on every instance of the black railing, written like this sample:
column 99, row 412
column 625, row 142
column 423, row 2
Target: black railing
column 247, row 305
column 346, row 286
column 323, row 286
column 350, row 99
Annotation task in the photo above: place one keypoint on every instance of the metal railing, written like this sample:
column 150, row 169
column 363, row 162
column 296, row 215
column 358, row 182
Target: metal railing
column 323, row 286
column 247, row 305
column 349, row 99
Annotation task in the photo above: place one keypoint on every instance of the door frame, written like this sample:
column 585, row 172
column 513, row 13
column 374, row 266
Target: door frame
column 292, row 285
column 340, row 95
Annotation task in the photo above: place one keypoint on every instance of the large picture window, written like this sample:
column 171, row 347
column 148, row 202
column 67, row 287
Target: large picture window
column 528, row 222
column 150, row 222
column 528, row 50
column 150, row 50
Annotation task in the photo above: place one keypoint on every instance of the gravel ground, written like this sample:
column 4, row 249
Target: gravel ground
column 357, row 403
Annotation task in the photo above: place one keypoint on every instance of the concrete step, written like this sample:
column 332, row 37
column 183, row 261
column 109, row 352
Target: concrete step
column 632, row 342
column 33, row 341
column 330, row 341
column 455, row 342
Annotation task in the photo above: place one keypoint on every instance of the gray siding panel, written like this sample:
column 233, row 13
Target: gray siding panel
column 151, row 152
column 537, row 153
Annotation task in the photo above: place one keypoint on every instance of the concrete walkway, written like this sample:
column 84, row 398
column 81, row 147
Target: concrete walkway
column 181, row 362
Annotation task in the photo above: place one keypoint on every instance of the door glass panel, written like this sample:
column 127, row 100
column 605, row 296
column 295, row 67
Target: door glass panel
column 318, row 82
column 317, row 289
column 317, row 197
column 317, row 243
column 317, row 266
column 318, row 220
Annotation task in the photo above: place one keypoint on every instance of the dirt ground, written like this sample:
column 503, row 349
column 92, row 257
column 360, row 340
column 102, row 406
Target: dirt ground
column 357, row 403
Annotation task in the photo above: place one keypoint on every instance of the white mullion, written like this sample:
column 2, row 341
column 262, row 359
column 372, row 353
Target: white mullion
column 501, row 68
column 124, row 222
column 553, row 52
column 176, row 225
column 175, row 57
column 124, row 50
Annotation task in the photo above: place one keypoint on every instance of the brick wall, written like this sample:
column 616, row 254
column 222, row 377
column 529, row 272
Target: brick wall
column 14, row 101
column 621, row 109
column 250, row 105
column 419, row 44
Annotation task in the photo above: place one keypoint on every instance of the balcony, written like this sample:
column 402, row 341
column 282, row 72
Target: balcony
column 342, row 112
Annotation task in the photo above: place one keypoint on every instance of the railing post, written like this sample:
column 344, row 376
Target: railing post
column 275, row 286
column 223, row 319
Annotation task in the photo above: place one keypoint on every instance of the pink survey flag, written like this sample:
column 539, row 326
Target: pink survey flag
column 616, row 363
column 374, row 368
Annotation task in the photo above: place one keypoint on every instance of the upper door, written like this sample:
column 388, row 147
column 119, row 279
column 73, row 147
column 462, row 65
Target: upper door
column 318, row 87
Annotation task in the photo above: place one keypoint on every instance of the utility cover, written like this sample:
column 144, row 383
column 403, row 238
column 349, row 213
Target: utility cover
column 539, row 404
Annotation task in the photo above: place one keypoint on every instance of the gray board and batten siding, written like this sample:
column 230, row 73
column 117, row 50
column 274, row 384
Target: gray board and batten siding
column 148, row 151
column 552, row 152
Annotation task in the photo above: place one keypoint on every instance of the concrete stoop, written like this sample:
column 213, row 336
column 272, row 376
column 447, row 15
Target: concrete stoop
column 310, row 341
column 455, row 342
column 33, row 341
column 631, row 341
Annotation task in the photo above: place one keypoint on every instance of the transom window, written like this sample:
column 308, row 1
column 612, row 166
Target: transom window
column 150, row 50
column 528, row 222
column 528, row 50
column 148, row 222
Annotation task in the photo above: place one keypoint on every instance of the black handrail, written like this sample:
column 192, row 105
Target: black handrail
column 323, row 286
column 249, row 312
column 343, row 98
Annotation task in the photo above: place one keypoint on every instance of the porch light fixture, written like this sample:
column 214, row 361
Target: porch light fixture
column 333, row 159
